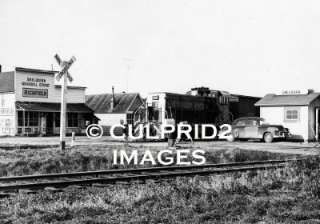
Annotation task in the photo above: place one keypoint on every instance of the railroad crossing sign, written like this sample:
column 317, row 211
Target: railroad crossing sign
column 65, row 65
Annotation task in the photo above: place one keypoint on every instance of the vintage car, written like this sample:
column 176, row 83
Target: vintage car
column 257, row 128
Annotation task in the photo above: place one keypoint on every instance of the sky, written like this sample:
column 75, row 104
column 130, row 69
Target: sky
column 249, row 47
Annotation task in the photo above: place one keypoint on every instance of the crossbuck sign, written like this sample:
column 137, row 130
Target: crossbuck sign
column 64, row 65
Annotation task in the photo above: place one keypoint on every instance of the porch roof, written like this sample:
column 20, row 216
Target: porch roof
column 52, row 107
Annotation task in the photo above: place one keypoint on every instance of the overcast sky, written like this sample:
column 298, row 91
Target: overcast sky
column 246, row 47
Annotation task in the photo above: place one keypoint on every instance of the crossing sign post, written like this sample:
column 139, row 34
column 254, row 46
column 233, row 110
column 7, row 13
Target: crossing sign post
column 65, row 76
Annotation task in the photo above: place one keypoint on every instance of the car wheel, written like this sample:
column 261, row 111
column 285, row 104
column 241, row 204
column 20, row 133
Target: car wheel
column 267, row 137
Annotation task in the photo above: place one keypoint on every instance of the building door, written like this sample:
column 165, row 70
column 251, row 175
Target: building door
column 49, row 128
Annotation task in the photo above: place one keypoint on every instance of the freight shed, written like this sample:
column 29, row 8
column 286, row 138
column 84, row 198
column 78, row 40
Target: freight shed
column 298, row 112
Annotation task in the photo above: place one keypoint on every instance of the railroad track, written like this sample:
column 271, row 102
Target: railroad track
column 62, row 180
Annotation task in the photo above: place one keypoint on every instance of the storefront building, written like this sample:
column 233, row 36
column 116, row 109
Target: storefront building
column 30, row 104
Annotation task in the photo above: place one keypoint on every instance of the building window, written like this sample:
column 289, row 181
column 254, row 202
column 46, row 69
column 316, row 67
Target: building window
column 291, row 114
column 155, row 97
column 57, row 120
column 72, row 120
column 130, row 119
column 20, row 118
column 31, row 118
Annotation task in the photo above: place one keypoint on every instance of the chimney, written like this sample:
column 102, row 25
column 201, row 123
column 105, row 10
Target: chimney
column 310, row 91
column 112, row 100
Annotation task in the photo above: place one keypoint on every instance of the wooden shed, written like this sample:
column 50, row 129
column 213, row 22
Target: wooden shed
column 298, row 112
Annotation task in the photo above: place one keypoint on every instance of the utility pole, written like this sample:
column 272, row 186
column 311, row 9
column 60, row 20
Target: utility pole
column 65, row 65
column 63, row 113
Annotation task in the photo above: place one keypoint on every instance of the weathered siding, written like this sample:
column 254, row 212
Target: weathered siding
column 275, row 115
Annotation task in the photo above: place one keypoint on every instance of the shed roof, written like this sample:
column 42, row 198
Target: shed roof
column 101, row 103
column 6, row 82
column 287, row 100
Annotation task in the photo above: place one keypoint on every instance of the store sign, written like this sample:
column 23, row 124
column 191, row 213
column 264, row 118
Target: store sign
column 291, row 92
column 36, row 82
column 35, row 87
column 35, row 93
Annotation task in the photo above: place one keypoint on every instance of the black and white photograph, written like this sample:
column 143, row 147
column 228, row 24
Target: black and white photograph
column 159, row 111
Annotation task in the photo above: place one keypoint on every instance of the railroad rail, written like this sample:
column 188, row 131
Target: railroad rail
column 34, row 182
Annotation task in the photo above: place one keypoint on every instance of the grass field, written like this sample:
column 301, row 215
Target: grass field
column 84, row 158
column 289, row 196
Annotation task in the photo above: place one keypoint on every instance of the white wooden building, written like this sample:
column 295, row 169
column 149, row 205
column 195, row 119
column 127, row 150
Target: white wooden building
column 30, row 104
column 298, row 112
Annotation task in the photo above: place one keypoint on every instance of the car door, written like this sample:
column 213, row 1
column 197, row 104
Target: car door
column 251, row 129
column 238, row 129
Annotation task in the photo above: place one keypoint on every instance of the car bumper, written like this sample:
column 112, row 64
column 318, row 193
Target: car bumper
column 282, row 134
